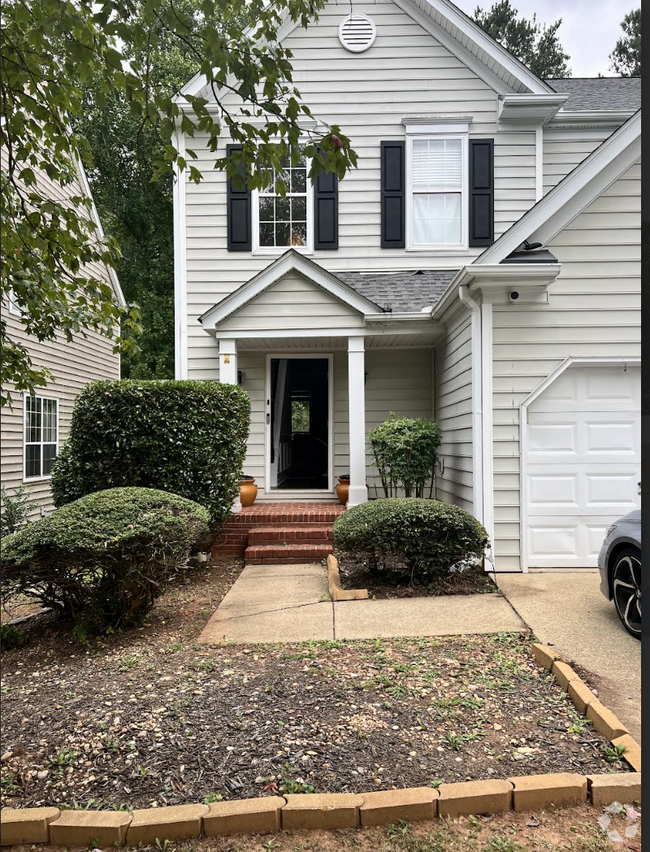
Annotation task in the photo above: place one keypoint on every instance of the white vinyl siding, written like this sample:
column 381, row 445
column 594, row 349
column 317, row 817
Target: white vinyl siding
column 593, row 310
column 564, row 149
column 453, row 409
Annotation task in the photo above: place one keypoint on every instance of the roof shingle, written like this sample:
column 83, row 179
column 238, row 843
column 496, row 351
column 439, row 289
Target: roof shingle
column 401, row 291
column 599, row 93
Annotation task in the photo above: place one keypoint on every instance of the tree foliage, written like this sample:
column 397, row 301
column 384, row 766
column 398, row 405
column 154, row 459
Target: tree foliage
column 537, row 46
column 405, row 451
column 626, row 56
column 54, row 52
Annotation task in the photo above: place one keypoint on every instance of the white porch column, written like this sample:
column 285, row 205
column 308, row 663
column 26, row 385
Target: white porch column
column 357, row 411
column 228, row 362
column 228, row 376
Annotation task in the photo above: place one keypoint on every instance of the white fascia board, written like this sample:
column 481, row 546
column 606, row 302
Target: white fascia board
column 427, row 327
column 495, row 276
column 470, row 30
column 290, row 261
column 575, row 192
column 589, row 118
column 94, row 215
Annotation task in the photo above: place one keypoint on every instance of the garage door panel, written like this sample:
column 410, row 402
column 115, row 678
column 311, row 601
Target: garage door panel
column 583, row 451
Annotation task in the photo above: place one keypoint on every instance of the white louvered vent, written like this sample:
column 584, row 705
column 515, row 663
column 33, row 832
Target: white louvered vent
column 357, row 33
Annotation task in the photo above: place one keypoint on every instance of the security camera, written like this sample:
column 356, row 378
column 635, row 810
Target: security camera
column 513, row 296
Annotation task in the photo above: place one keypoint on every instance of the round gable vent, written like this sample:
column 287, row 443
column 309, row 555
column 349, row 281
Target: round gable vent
column 357, row 33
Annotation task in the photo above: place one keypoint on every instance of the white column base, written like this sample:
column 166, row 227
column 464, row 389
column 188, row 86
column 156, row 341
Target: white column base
column 357, row 495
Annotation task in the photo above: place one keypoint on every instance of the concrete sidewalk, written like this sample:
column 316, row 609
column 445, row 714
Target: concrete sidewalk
column 565, row 609
column 290, row 603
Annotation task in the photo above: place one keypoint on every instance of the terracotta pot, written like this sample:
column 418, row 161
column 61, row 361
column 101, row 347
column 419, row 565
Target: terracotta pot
column 343, row 489
column 247, row 492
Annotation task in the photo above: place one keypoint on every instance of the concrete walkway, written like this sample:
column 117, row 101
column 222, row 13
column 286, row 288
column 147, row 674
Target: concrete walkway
column 290, row 603
column 566, row 609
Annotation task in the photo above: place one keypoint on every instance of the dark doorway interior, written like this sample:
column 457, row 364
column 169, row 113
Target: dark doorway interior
column 299, row 423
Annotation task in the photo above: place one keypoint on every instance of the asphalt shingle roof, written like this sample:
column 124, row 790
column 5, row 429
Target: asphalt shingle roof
column 599, row 93
column 401, row 291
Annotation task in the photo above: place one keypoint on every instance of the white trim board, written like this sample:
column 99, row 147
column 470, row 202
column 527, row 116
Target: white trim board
column 180, row 267
column 585, row 361
column 559, row 207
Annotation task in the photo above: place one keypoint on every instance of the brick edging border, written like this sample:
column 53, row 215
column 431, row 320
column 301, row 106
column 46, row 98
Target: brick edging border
column 334, row 583
column 270, row 814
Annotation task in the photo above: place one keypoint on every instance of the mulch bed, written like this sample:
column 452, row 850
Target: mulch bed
column 393, row 582
column 150, row 717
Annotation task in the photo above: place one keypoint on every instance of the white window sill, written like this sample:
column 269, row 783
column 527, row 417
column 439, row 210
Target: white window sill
column 451, row 250
column 276, row 252
column 37, row 478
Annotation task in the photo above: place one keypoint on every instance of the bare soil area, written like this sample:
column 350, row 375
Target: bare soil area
column 149, row 717
column 394, row 581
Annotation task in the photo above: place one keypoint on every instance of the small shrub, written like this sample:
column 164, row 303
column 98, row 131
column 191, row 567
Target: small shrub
column 15, row 510
column 11, row 637
column 427, row 536
column 405, row 454
column 102, row 560
column 183, row 437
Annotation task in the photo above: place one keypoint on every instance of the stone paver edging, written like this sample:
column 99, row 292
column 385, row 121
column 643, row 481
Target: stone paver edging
column 334, row 583
column 345, row 810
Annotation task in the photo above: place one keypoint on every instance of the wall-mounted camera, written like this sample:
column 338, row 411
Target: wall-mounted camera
column 513, row 295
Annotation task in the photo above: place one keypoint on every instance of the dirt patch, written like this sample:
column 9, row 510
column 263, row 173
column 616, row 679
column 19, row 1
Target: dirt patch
column 394, row 582
column 569, row 830
column 152, row 718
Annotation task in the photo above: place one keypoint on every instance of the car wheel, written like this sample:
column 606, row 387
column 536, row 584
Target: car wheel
column 626, row 589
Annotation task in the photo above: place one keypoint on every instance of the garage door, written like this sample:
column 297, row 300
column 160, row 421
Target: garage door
column 583, row 462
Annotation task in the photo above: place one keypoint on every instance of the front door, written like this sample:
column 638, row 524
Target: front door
column 298, row 423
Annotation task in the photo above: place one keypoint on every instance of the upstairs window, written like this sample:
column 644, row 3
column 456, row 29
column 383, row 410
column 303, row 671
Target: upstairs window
column 41, row 435
column 285, row 222
column 437, row 192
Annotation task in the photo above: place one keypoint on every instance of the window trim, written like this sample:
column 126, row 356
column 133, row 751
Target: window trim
column 463, row 245
column 14, row 310
column 274, row 251
column 43, row 477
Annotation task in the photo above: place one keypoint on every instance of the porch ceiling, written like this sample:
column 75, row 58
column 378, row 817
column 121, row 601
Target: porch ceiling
column 386, row 340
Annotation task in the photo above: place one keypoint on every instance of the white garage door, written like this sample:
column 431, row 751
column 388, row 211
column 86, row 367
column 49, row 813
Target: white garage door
column 583, row 462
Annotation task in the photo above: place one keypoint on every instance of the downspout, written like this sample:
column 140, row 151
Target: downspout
column 477, row 401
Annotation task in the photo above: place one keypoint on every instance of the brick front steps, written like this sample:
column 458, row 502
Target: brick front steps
column 279, row 533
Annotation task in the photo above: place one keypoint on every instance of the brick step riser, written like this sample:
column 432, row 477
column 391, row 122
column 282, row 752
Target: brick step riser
column 289, row 554
column 281, row 536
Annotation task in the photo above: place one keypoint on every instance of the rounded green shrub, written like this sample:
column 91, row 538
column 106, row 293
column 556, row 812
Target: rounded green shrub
column 405, row 451
column 427, row 536
column 106, row 557
column 184, row 437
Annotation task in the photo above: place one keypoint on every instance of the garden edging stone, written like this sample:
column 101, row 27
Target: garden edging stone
column 337, row 593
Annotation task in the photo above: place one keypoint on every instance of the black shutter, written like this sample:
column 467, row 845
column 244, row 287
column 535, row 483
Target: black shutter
column 326, row 211
column 481, row 192
column 393, row 195
column 239, row 211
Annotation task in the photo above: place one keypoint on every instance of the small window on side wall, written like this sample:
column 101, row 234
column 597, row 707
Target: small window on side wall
column 41, row 436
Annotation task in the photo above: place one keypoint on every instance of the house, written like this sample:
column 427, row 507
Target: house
column 35, row 427
column 481, row 266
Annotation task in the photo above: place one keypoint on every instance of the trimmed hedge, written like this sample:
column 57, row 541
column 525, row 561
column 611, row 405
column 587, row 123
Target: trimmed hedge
column 405, row 451
column 105, row 557
column 428, row 536
column 184, row 437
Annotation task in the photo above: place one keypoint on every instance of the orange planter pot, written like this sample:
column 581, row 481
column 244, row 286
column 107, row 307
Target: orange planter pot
column 342, row 490
column 247, row 492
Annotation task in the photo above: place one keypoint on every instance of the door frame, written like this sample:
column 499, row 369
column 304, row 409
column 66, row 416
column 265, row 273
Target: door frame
column 311, row 492
column 585, row 361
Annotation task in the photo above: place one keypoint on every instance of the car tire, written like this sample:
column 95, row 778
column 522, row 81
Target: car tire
column 626, row 588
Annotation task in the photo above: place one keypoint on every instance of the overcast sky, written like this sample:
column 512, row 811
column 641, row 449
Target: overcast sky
column 589, row 31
